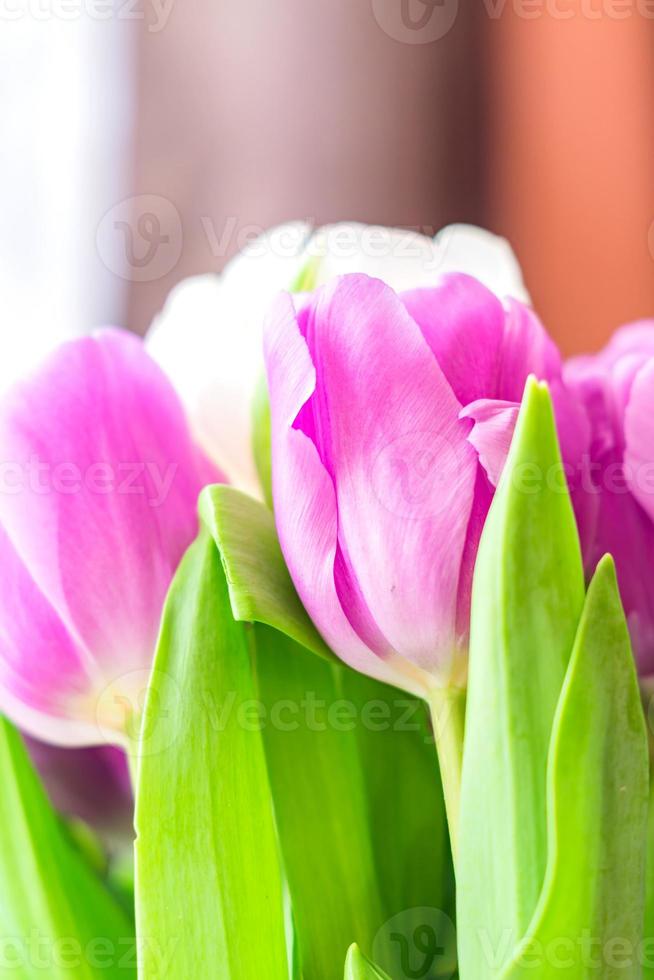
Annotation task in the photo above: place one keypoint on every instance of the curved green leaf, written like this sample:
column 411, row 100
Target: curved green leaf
column 589, row 920
column 320, row 804
column 352, row 766
column 56, row 917
column 528, row 594
column 208, row 879
column 358, row 967
column 260, row 587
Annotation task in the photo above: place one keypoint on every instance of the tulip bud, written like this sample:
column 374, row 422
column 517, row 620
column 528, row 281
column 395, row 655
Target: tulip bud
column 98, row 486
column 391, row 415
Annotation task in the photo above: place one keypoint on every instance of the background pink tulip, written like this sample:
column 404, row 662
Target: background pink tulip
column 391, row 416
column 91, row 783
column 616, row 390
column 98, row 489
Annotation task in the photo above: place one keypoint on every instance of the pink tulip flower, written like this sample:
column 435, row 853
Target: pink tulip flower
column 391, row 418
column 616, row 388
column 98, row 486
column 208, row 336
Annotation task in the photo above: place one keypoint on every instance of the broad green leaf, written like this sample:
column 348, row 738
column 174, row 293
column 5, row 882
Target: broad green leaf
column 57, row 919
column 320, row 806
column 589, row 920
column 407, row 824
column 364, row 789
column 358, row 967
column 208, row 880
column 260, row 587
column 528, row 594
column 261, row 439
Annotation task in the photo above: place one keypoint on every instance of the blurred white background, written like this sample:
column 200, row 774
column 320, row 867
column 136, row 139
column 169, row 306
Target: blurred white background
column 66, row 85
column 141, row 140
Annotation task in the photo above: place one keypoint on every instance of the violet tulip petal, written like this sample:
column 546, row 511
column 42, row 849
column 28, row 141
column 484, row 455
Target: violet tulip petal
column 306, row 513
column 527, row 349
column 99, row 503
column 463, row 323
column 626, row 531
column 90, row 783
column 385, row 422
column 486, row 350
column 639, row 439
column 491, row 434
column 43, row 672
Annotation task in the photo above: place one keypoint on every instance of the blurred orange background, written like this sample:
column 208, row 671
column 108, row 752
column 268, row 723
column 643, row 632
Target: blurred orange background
column 571, row 165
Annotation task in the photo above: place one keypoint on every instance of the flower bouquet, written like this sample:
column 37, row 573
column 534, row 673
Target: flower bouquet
column 340, row 587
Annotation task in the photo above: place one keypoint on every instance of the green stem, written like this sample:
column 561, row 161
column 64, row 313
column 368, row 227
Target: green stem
column 447, row 707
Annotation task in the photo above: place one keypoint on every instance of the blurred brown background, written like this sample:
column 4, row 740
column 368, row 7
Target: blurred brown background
column 533, row 119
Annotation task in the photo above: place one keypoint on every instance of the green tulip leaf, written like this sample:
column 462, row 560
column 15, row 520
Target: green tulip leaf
column 208, row 878
column 57, row 918
column 589, row 919
column 351, row 762
column 528, row 594
column 260, row 587
column 358, row 967
column 320, row 806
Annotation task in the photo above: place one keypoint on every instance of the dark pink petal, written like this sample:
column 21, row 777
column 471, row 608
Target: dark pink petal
column 626, row 531
column 486, row 350
column 463, row 323
column 527, row 349
column 639, row 439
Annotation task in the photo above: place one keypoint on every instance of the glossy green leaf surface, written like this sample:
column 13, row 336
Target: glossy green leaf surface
column 528, row 595
column 57, row 918
column 407, row 827
column 208, row 877
column 352, row 766
column 358, row 967
column 320, row 806
column 589, row 920
column 260, row 587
